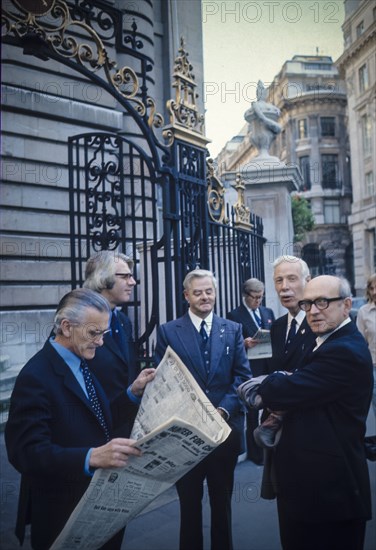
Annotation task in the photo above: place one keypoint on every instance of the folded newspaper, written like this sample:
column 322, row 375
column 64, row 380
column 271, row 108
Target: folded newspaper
column 263, row 349
column 176, row 427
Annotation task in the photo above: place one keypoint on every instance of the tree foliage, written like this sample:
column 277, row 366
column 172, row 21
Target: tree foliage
column 302, row 217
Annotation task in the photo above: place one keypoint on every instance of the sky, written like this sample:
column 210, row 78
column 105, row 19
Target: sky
column 246, row 41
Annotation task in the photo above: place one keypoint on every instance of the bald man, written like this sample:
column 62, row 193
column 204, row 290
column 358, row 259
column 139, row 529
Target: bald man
column 321, row 473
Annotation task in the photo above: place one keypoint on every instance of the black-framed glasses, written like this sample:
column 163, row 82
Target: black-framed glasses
column 125, row 276
column 320, row 303
column 255, row 297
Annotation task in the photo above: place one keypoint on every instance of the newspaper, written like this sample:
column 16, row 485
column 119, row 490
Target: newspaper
column 263, row 349
column 176, row 427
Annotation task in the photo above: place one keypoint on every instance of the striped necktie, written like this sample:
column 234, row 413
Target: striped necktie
column 258, row 318
column 93, row 398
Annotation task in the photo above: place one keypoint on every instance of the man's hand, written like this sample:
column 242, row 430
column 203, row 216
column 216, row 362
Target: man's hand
column 145, row 376
column 250, row 343
column 114, row 454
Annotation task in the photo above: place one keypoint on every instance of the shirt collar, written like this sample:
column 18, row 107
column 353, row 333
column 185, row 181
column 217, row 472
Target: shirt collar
column 198, row 320
column 250, row 310
column 70, row 358
column 321, row 339
column 299, row 318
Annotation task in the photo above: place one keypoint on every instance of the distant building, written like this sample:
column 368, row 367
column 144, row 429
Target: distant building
column 312, row 100
column 357, row 65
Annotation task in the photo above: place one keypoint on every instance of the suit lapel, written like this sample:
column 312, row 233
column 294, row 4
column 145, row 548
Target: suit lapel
column 62, row 369
column 110, row 344
column 217, row 344
column 266, row 318
column 247, row 320
column 280, row 335
column 186, row 333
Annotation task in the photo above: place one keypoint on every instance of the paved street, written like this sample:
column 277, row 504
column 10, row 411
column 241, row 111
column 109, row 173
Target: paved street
column 254, row 519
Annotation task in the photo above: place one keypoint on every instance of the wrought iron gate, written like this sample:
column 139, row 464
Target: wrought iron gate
column 157, row 201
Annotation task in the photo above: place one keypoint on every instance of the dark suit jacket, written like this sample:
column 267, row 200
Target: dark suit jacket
column 229, row 366
column 116, row 372
column 300, row 346
column 50, row 429
column 242, row 316
column 320, row 463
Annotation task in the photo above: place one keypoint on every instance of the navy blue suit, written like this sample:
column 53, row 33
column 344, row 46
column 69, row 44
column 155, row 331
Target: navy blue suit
column 320, row 464
column 50, row 429
column 259, row 366
column 229, row 367
column 116, row 369
column 302, row 343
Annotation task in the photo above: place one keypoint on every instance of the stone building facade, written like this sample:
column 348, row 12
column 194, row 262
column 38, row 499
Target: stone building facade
column 312, row 99
column 44, row 103
column 357, row 66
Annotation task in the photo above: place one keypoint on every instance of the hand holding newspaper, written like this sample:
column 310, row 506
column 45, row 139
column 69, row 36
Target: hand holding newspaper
column 263, row 349
column 176, row 427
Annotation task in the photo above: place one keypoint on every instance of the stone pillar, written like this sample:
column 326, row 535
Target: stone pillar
column 267, row 193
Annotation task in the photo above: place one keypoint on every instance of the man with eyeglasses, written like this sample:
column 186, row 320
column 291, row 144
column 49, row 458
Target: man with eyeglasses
column 110, row 273
column 61, row 426
column 253, row 316
column 321, row 474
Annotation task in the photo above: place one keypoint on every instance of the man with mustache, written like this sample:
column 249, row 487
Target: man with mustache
column 290, row 334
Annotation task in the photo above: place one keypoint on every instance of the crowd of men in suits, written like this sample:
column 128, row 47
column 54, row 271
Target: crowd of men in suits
column 74, row 403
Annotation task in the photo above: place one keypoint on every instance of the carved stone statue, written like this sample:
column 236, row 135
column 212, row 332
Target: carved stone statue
column 263, row 118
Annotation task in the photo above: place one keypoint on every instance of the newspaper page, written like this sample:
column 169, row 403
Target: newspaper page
column 264, row 345
column 176, row 427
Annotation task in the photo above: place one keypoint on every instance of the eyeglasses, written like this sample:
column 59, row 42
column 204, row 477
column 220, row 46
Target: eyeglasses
column 95, row 334
column 255, row 296
column 320, row 303
column 125, row 276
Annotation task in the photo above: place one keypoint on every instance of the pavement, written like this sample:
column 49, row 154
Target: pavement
column 255, row 524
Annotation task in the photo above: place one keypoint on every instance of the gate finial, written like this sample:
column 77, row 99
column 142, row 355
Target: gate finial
column 185, row 120
column 242, row 212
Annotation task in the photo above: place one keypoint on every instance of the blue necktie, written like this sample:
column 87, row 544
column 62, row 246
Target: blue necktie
column 258, row 318
column 93, row 398
column 291, row 334
column 203, row 333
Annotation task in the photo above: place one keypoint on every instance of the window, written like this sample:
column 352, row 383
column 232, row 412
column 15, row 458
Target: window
column 329, row 166
column 302, row 128
column 328, row 126
column 360, row 29
column 366, row 125
column 317, row 66
column 370, row 184
column 363, row 78
column 306, row 173
column 331, row 211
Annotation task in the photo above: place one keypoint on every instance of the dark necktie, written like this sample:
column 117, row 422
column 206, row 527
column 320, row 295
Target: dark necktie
column 291, row 334
column 203, row 333
column 93, row 398
column 258, row 318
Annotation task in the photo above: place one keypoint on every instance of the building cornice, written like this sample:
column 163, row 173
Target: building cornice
column 289, row 104
column 355, row 48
